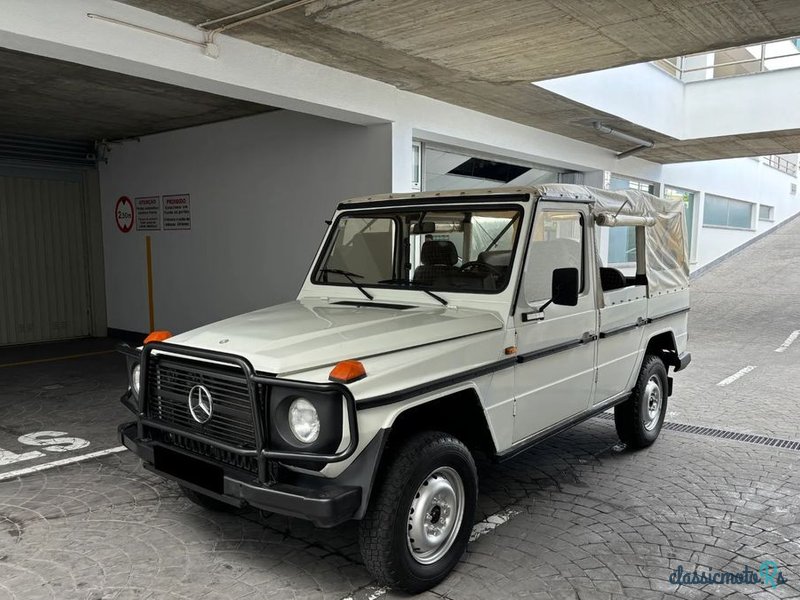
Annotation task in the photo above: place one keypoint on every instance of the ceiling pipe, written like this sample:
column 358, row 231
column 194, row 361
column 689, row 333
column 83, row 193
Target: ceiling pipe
column 208, row 48
column 634, row 150
column 641, row 144
column 211, row 28
column 215, row 26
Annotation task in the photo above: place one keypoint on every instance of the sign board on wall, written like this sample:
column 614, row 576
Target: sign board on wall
column 177, row 212
column 148, row 213
column 123, row 214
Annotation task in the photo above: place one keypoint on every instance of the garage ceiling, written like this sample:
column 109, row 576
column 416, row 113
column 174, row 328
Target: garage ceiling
column 484, row 55
column 55, row 99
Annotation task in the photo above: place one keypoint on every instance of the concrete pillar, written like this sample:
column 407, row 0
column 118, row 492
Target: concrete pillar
column 402, row 157
column 596, row 179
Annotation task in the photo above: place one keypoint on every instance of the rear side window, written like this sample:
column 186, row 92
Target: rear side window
column 557, row 243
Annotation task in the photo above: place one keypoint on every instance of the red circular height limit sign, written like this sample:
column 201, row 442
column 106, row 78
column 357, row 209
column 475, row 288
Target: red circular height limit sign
column 123, row 213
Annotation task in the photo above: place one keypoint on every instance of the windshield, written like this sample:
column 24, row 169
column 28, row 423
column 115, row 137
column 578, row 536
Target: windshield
column 437, row 249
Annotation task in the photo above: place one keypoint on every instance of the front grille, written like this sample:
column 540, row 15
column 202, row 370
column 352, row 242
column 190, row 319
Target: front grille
column 247, row 463
column 169, row 381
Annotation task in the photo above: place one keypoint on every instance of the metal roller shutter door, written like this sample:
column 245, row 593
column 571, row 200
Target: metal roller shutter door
column 44, row 280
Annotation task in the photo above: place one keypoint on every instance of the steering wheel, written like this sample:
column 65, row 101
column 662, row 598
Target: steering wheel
column 476, row 265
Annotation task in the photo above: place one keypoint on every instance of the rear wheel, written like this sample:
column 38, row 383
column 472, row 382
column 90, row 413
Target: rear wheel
column 419, row 520
column 208, row 502
column 639, row 419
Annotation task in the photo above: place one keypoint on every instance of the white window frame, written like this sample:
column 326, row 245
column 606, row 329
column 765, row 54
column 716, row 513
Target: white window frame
column 753, row 214
column 771, row 215
column 698, row 201
column 416, row 165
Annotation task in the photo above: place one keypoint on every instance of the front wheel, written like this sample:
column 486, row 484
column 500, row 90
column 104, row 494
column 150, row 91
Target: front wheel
column 419, row 520
column 639, row 418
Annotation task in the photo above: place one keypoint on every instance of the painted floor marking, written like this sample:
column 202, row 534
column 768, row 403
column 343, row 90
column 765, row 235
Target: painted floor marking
column 370, row 592
column 55, row 358
column 488, row 524
column 492, row 522
column 785, row 345
column 737, row 375
column 59, row 463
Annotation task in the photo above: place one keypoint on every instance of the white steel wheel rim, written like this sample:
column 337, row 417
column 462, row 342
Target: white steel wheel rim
column 653, row 398
column 435, row 515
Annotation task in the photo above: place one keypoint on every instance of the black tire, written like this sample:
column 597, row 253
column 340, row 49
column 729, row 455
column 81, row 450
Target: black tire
column 384, row 537
column 208, row 502
column 636, row 425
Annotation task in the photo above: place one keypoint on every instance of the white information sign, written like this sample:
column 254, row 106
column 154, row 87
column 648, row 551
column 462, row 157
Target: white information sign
column 148, row 213
column 177, row 212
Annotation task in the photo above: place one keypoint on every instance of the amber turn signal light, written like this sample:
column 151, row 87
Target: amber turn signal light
column 158, row 336
column 348, row 371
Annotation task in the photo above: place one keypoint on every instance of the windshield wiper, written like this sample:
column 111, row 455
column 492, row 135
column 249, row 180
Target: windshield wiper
column 416, row 287
column 431, row 294
column 350, row 277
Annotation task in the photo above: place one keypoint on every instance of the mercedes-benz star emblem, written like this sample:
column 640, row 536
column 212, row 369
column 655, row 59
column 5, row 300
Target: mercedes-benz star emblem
column 200, row 404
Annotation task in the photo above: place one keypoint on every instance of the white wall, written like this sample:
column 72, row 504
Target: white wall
column 743, row 104
column 261, row 188
column 646, row 95
column 742, row 179
column 640, row 93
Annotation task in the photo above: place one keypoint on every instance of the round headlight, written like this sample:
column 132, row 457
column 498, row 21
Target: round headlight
column 303, row 420
column 136, row 378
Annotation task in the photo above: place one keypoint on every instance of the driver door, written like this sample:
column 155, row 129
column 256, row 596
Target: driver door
column 555, row 376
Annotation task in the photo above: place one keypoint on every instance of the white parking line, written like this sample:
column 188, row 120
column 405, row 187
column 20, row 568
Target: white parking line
column 488, row 524
column 59, row 463
column 492, row 522
column 372, row 593
column 737, row 375
column 785, row 345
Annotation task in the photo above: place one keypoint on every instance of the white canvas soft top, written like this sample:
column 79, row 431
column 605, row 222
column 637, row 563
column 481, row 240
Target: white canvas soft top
column 666, row 256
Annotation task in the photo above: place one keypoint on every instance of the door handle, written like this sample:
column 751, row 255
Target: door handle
column 532, row 316
column 587, row 337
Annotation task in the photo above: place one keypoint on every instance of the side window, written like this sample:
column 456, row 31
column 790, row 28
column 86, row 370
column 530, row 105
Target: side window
column 618, row 252
column 557, row 242
column 622, row 246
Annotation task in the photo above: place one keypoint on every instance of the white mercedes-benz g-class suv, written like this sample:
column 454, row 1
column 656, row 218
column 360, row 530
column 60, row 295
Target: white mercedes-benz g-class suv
column 429, row 326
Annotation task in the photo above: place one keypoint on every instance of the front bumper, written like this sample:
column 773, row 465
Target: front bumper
column 324, row 504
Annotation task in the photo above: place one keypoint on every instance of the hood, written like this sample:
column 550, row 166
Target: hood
column 307, row 334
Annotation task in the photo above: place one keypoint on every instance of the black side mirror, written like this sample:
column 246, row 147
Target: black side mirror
column 566, row 286
column 565, row 290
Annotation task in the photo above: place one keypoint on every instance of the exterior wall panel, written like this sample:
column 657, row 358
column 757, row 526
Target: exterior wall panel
column 44, row 291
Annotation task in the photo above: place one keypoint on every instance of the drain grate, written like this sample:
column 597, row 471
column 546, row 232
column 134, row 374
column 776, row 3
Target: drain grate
column 736, row 436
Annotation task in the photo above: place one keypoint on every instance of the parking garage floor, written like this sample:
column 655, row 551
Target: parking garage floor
column 577, row 517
